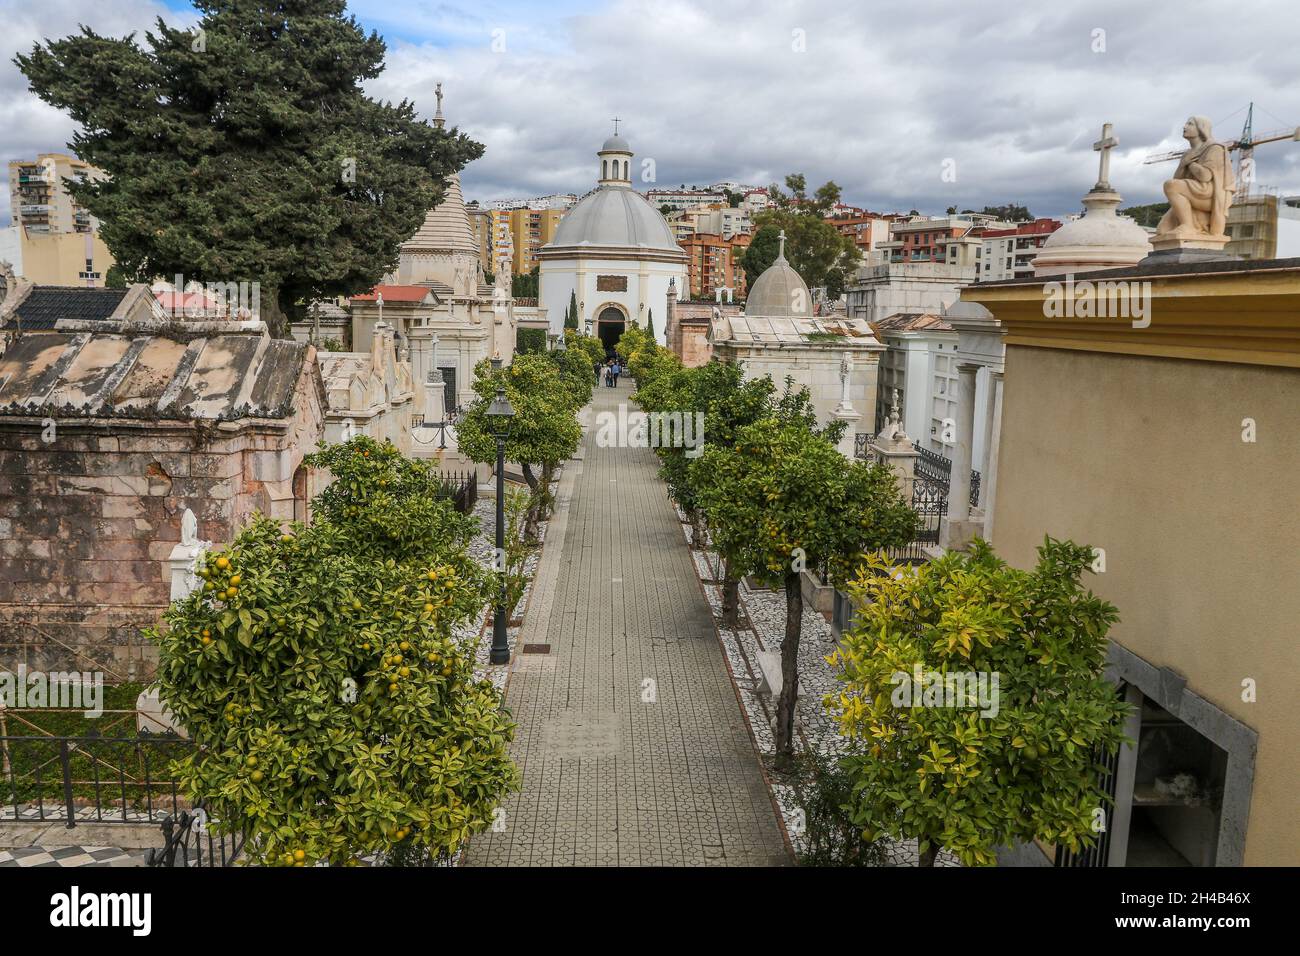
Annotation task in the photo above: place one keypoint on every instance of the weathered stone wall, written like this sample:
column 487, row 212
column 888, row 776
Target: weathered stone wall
column 88, row 520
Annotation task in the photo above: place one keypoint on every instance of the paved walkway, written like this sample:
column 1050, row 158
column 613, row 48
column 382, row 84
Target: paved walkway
column 631, row 742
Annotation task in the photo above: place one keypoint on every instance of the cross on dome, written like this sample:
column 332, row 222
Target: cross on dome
column 1104, row 146
column 616, row 122
column 780, row 254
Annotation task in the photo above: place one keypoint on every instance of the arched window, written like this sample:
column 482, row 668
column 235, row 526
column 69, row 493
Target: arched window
column 604, row 169
column 625, row 176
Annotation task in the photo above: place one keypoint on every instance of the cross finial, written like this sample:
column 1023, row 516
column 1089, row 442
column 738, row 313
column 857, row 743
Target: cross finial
column 781, row 248
column 437, row 115
column 616, row 122
column 1104, row 146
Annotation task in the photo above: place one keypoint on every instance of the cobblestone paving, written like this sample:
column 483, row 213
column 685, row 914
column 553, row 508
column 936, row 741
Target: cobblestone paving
column 631, row 742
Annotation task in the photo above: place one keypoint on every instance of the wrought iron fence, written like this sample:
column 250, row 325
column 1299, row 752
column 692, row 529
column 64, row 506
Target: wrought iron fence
column 90, row 779
column 930, row 502
column 460, row 487
column 862, row 442
column 935, row 467
column 192, row 839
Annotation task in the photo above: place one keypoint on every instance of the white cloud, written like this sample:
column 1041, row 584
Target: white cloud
column 1012, row 92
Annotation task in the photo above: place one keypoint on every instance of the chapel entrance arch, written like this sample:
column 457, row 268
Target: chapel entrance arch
column 610, row 323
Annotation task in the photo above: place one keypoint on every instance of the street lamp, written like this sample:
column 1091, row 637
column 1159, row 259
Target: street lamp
column 499, row 414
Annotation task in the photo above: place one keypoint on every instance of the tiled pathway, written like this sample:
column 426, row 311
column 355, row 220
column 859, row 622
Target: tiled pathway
column 631, row 742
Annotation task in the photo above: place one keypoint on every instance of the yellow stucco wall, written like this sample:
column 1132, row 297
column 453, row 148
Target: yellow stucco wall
column 1144, row 457
column 58, row 259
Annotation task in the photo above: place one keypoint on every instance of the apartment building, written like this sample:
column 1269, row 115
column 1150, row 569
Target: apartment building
column 59, row 239
column 684, row 198
column 926, row 238
column 717, row 219
column 868, row 230
column 520, row 232
column 1009, row 253
column 713, row 263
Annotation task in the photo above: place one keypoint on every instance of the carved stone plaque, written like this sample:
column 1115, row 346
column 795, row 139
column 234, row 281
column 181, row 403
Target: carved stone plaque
column 611, row 283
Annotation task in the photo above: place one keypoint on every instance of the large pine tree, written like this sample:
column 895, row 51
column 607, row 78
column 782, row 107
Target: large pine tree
column 245, row 150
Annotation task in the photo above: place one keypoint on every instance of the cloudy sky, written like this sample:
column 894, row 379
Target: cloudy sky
column 875, row 95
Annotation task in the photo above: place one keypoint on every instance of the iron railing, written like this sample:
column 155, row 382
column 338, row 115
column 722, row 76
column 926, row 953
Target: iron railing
column 936, row 467
column 90, row 779
column 862, row 445
column 930, row 502
column 190, row 839
column 460, row 487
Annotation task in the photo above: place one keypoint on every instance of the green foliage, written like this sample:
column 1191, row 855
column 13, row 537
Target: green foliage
column 251, row 156
column 575, row 367
column 518, row 548
column 525, row 286
column 586, row 344
column 761, row 252
column 545, row 427
column 783, row 492
column 824, row 788
column 336, row 714
column 814, row 247
column 1148, row 215
column 1011, row 212
column 530, row 340
column 571, row 313
column 948, row 776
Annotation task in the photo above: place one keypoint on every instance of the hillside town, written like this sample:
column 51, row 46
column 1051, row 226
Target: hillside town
column 356, row 512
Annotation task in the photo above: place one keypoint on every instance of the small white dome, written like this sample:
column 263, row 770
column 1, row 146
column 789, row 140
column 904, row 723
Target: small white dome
column 616, row 143
column 779, row 292
column 1099, row 239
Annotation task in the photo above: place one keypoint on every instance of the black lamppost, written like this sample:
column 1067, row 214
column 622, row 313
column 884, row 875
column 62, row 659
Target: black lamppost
column 499, row 414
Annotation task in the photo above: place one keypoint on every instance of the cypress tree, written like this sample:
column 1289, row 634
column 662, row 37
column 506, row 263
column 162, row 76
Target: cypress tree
column 245, row 150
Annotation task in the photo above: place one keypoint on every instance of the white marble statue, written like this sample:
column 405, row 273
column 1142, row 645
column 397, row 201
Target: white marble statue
column 1200, row 192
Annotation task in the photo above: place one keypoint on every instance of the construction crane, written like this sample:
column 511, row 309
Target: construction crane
column 1243, row 146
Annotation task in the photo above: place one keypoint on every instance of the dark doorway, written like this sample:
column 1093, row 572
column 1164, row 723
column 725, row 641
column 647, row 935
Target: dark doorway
column 609, row 326
column 449, row 389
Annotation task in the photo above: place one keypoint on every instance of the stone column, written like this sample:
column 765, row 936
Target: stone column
column 989, row 480
column 957, row 529
column 990, row 406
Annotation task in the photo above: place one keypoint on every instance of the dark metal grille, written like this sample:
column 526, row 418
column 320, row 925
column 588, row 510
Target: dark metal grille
column 460, row 487
column 90, row 779
column 189, row 843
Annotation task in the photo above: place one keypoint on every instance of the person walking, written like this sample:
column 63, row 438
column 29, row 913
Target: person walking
column 617, row 370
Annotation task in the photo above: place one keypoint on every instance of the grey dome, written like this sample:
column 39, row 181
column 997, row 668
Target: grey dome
column 776, row 292
column 618, row 143
column 615, row 216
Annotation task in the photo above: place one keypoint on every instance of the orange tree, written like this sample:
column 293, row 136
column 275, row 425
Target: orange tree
column 335, row 713
column 1017, row 764
column 544, row 430
column 781, row 500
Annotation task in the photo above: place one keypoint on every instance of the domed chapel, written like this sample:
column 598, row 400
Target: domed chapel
column 613, row 254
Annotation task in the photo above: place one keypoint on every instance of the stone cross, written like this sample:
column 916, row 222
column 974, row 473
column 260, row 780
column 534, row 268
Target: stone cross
column 1104, row 146
column 781, row 249
column 846, row 369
